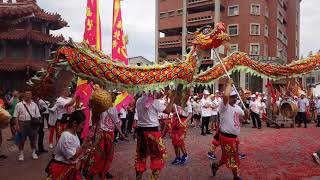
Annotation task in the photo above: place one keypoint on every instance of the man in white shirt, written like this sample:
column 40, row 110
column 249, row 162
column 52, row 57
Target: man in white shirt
column 44, row 112
column 216, row 100
column 206, row 112
column 149, row 141
column 63, row 111
column 255, row 106
column 303, row 107
column 23, row 123
column 230, row 114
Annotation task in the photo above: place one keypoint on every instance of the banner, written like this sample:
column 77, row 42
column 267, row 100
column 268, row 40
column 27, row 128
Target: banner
column 119, row 50
column 92, row 36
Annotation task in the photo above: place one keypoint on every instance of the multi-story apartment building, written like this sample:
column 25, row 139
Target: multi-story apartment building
column 265, row 29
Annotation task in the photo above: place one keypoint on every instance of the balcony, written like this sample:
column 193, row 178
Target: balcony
column 199, row 3
column 172, row 58
column 200, row 19
column 170, row 41
column 170, row 22
column 190, row 39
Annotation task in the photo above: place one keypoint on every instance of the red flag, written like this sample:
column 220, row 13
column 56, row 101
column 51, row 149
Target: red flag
column 119, row 50
column 92, row 35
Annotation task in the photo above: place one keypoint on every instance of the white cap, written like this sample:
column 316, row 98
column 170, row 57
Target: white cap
column 253, row 96
column 233, row 92
column 263, row 92
column 206, row 92
column 217, row 91
column 303, row 93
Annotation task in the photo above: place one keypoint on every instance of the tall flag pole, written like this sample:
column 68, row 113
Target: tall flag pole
column 119, row 49
column 92, row 36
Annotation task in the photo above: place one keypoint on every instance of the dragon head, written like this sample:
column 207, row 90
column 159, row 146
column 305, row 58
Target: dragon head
column 208, row 37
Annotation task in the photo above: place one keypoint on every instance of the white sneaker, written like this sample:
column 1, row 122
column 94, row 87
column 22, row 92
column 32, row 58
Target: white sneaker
column 51, row 146
column 316, row 158
column 21, row 157
column 35, row 156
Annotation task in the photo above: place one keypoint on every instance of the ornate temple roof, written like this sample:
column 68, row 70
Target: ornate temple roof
column 24, row 8
column 22, row 34
column 21, row 65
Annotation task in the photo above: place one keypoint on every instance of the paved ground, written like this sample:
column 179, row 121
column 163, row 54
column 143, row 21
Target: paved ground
column 271, row 154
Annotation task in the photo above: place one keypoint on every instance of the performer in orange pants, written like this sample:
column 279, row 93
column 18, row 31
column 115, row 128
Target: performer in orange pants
column 178, row 131
column 149, row 140
column 229, row 129
column 100, row 160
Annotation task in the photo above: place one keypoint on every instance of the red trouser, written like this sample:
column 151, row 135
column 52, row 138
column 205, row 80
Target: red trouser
column 230, row 155
column 101, row 159
column 178, row 132
column 52, row 129
column 61, row 171
column 149, row 143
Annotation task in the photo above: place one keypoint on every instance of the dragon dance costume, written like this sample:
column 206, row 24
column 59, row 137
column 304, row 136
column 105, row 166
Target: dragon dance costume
column 61, row 167
column 100, row 160
column 149, row 140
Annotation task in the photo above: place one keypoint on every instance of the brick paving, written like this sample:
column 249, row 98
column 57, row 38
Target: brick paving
column 268, row 157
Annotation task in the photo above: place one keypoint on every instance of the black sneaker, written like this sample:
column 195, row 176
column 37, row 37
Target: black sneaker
column 203, row 134
column 2, row 157
column 208, row 132
column 214, row 168
column 242, row 156
column 109, row 175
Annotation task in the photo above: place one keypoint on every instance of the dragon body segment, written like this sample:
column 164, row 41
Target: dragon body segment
column 88, row 63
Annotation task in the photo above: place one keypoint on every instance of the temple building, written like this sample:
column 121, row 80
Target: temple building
column 25, row 40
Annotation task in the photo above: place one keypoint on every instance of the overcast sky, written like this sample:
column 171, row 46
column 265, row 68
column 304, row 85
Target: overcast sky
column 139, row 22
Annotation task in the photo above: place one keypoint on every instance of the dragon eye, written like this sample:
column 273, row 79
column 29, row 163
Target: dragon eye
column 206, row 31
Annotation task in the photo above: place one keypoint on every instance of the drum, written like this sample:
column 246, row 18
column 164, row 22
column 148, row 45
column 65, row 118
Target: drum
column 288, row 109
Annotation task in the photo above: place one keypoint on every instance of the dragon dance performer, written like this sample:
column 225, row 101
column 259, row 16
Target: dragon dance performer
column 63, row 106
column 149, row 140
column 64, row 165
column 229, row 129
column 101, row 159
column 178, row 131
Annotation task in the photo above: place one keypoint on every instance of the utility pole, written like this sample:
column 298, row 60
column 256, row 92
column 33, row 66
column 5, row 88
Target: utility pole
column 156, row 51
column 184, row 29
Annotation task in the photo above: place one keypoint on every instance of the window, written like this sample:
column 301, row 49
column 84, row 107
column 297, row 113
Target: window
column 233, row 30
column 267, row 12
column 255, row 49
column 308, row 80
column 163, row 15
column 279, row 52
column 280, row 17
column 266, row 30
column 233, row 10
column 279, row 34
column 171, row 13
column 254, row 29
column 255, row 9
column 179, row 12
column 233, row 48
column 285, row 39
